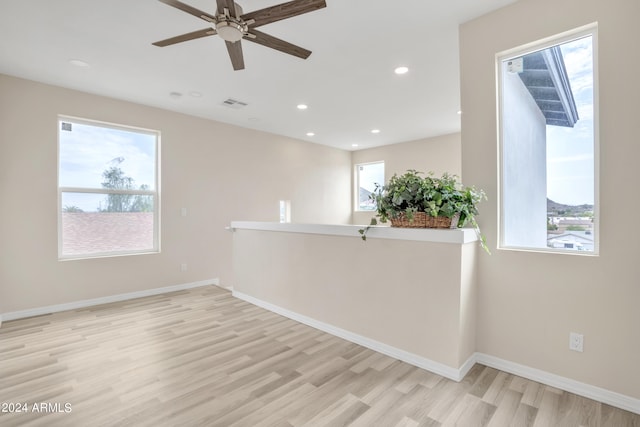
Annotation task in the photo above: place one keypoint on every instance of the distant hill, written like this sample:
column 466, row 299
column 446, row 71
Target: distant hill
column 569, row 210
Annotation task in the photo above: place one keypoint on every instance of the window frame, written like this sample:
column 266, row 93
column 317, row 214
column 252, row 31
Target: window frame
column 356, row 170
column 155, row 193
column 545, row 43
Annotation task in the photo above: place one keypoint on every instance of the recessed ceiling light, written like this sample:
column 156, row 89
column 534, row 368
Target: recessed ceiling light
column 354, row 145
column 302, row 107
column 310, row 134
column 375, row 130
column 195, row 94
column 401, row 70
column 459, row 112
column 78, row 63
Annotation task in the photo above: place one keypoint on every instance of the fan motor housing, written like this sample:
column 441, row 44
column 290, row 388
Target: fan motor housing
column 231, row 28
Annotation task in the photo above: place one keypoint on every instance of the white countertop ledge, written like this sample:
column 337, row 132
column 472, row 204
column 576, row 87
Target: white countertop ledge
column 456, row 236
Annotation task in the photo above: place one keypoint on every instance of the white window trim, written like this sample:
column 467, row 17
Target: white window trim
column 155, row 193
column 586, row 30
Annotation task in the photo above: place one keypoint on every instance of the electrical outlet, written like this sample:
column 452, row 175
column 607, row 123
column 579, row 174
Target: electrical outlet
column 576, row 342
column 183, row 267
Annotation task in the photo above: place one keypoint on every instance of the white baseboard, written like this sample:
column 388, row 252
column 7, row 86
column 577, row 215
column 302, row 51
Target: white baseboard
column 411, row 358
column 592, row 392
column 586, row 390
column 103, row 300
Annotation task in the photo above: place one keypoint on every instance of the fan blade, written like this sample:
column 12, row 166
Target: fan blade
column 235, row 53
column 185, row 37
column 282, row 11
column 189, row 9
column 229, row 4
column 278, row 44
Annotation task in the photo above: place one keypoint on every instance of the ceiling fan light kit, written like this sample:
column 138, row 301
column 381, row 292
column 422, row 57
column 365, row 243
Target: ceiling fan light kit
column 230, row 31
column 229, row 28
column 232, row 25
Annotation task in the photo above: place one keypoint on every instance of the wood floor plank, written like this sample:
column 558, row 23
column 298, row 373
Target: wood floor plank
column 407, row 422
column 498, row 388
column 418, row 402
column 462, row 413
column 323, row 397
column 533, row 394
column 341, row 412
column 449, row 398
column 506, row 410
column 201, row 357
column 380, row 411
column 525, row 416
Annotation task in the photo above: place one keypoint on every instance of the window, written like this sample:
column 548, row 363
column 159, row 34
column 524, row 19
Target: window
column 367, row 175
column 548, row 146
column 285, row 211
column 107, row 189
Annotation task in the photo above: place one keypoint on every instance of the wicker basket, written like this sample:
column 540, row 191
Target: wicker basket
column 422, row 220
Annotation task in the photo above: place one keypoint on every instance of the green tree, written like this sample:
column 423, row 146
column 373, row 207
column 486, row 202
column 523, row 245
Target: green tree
column 142, row 202
column 115, row 179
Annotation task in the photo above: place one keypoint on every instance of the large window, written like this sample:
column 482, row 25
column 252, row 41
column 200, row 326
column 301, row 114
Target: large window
column 107, row 189
column 367, row 175
column 548, row 146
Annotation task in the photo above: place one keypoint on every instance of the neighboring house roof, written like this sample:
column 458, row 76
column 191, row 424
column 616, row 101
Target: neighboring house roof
column 586, row 222
column 92, row 232
column 545, row 76
column 575, row 236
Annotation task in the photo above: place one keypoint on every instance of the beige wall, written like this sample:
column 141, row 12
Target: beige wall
column 438, row 155
column 529, row 302
column 423, row 301
column 218, row 172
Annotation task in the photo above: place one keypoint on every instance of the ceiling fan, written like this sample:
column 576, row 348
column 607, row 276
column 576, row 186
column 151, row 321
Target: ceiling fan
column 232, row 25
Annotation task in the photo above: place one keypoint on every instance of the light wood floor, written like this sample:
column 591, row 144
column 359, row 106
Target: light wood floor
column 204, row 358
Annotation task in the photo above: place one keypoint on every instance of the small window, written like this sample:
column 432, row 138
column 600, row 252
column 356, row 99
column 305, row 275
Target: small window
column 367, row 176
column 107, row 189
column 285, row 211
column 548, row 146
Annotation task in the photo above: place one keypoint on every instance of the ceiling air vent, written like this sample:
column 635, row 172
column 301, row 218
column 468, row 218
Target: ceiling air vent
column 234, row 103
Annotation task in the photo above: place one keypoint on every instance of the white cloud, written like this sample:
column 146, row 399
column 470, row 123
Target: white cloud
column 87, row 151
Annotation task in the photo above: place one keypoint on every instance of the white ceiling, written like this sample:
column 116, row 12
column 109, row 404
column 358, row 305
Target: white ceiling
column 348, row 81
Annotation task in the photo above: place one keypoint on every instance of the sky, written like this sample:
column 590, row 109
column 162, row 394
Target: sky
column 368, row 175
column 87, row 151
column 371, row 173
column 570, row 151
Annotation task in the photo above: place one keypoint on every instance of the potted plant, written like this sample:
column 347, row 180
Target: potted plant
column 416, row 201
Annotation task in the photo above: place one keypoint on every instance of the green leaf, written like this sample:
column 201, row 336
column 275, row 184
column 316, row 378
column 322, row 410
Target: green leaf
column 411, row 192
